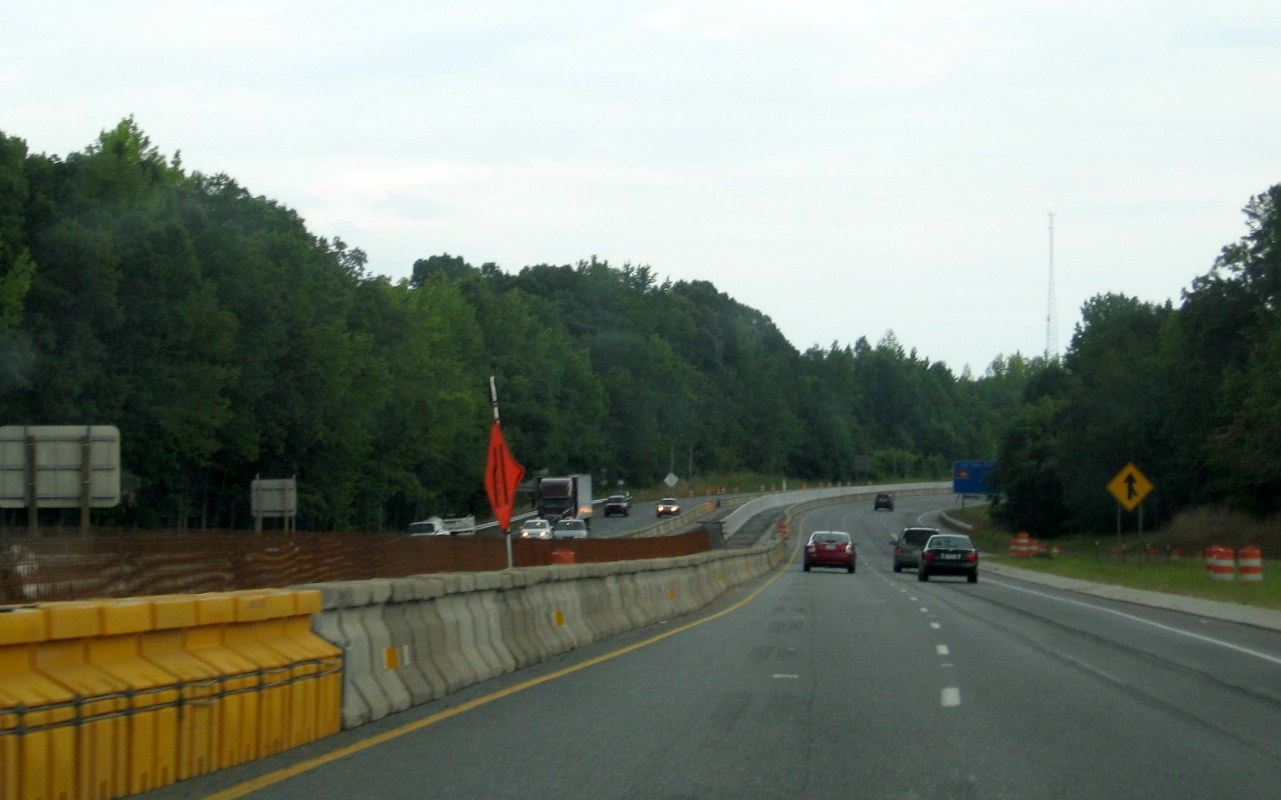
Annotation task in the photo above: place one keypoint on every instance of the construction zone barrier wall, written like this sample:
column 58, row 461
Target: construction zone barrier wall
column 411, row 640
column 107, row 698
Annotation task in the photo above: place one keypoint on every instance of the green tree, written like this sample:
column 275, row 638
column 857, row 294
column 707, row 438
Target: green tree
column 1028, row 477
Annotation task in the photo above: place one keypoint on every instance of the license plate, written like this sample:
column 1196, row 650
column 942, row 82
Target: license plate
column 950, row 556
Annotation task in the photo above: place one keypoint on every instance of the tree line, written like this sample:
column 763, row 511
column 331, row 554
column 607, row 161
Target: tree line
column 1189, row 394
column 227, row 341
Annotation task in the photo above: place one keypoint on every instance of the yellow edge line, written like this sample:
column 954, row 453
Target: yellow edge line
column 272, row 778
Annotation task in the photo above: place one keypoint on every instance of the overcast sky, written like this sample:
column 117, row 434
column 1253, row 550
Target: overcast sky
column 847, row 168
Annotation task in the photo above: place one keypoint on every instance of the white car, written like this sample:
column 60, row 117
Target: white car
column 535, row 529
column 570, row 529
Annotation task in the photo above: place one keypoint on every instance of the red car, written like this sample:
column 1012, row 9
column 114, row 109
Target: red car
column 830, row 549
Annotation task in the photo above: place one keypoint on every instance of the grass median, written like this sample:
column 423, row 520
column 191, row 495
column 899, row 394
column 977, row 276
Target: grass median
column 1149, row 564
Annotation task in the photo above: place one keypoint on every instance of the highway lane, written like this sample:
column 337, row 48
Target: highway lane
column 642, row 515
column 832, row 685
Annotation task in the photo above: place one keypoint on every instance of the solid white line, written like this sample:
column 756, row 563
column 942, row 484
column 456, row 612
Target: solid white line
column 1090, row 667
column 951, row 697
column 1209, row 640
column 942, row 650
column 788, row 677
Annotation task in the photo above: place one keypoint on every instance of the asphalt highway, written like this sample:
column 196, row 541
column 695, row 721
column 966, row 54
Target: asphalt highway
column 827, row 685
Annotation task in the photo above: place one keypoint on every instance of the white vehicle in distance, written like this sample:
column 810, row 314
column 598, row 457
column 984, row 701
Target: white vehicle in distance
column 570, row 528
column 444, row 526
column 535, row 528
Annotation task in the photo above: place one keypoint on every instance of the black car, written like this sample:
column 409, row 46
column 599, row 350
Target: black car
column 883, row 500
column 618, row 504
column 949, row 554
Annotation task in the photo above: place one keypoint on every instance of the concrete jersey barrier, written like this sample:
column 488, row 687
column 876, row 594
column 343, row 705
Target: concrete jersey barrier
column 413, row 640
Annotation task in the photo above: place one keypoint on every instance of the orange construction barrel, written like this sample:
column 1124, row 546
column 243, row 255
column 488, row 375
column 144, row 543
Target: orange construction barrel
column 1021, row 546
column 1250, row 565
column 1220, row 564
column 562, row 555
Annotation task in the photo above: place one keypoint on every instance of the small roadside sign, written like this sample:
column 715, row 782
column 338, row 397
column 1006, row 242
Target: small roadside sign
column 1130, row 486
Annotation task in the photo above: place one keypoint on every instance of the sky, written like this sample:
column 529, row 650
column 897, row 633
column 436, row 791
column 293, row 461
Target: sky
column 846, row 168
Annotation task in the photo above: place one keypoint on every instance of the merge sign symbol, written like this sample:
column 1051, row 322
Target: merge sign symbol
column 1130, row 486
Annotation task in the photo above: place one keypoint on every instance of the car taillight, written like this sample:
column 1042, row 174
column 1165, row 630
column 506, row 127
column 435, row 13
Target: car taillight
column 810, row 548
column 849, row 548
column 972, row 557
column 928, row 555
column 898, row 551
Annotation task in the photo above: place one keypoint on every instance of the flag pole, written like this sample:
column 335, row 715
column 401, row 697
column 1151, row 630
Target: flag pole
column 507, row 534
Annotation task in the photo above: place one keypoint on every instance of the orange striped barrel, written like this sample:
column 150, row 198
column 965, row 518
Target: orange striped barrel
column 1022, row 546
column 1220, row 565
column 1250, row 564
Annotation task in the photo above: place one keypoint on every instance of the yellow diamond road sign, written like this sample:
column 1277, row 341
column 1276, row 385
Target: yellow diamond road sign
column 1130, row 486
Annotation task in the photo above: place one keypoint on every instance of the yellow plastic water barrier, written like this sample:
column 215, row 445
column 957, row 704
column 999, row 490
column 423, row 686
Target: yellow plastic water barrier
column 101, row 724
column 37, row 740
column 151, row 695
column 199, row 718
column 102, row 699
column 323, row 663
column 237, row 695
column 301, row 673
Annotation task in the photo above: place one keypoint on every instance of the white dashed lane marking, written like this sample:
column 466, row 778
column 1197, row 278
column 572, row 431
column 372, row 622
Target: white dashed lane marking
column 951, row 696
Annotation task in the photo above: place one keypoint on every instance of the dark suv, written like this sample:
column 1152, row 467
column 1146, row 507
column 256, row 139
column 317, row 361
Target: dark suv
column 883, row 500
column 908, row 546
column 618, row 504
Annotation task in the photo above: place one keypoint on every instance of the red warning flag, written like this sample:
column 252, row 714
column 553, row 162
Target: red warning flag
column 502, row 475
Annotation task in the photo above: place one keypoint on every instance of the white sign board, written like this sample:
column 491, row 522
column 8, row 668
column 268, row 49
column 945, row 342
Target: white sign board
column 59, row 466
column 274, row 498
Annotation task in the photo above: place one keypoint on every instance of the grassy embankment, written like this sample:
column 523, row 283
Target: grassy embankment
column 1093, row 558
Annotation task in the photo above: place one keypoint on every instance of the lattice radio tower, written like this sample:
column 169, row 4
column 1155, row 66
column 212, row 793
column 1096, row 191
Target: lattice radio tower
column 1051, row 327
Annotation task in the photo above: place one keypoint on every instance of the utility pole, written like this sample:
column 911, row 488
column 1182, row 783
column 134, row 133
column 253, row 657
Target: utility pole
column 1051, row 334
